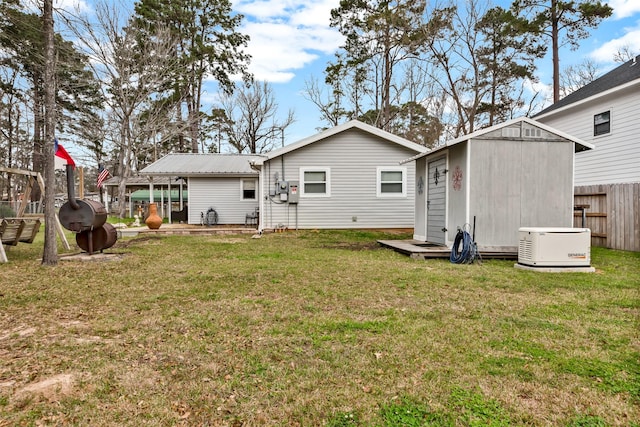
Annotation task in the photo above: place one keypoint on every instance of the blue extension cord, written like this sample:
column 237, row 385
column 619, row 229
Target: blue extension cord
column 469, row 252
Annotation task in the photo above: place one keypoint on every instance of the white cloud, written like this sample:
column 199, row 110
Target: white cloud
column 606, row 52
column 286, row 35
column 624, row 8
column 72, row 5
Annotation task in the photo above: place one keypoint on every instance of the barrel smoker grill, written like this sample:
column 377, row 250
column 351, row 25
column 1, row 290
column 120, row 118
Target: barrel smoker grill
column 86, row 218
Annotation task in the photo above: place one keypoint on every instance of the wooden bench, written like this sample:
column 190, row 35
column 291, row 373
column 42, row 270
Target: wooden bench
column 15, row 230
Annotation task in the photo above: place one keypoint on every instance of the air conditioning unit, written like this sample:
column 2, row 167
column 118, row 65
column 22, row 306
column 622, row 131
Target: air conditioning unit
column 554, row 247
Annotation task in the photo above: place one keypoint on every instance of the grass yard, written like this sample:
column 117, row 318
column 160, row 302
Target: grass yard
column 314, row 329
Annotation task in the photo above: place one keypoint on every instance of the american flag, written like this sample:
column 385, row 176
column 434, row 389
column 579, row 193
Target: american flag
column 103, row 173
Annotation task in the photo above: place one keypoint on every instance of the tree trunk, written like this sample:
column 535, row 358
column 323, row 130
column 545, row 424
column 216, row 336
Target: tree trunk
column 123, row 167
column 39, row 128
column 50, row 253
column 555, row 48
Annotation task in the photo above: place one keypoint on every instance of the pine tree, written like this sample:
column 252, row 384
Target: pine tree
column 552, row 18
column 207, row 43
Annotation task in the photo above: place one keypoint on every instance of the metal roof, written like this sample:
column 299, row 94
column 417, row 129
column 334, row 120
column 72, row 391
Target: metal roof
column 135, row 181
column 580, row 145
column 209, row 165
column 617, row 79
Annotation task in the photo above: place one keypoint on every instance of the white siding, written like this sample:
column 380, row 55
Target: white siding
column 222, row 194
column 353, row 158
column 616, row 157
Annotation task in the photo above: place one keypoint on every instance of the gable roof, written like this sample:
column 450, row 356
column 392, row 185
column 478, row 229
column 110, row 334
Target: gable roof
column 580, row 145
column 619, row 78
column 209, row 165
column 353, row 124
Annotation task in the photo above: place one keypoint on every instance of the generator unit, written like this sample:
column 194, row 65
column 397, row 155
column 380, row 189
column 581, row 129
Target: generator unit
column 554, row 247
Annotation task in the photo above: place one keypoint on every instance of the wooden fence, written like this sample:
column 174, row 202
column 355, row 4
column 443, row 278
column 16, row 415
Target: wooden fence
column 612, row 212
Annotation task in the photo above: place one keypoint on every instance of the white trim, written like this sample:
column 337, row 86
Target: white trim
column 379, row 193
column 326, row 170
column 256, row 183
column 622, row 88
column 608, row 132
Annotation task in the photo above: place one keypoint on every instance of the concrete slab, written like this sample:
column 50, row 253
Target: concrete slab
column 85, row 257
column 556, row 269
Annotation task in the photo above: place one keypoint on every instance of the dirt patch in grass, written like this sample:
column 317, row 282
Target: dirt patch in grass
column 354, row 246
column 314, row 328
column 52, row 388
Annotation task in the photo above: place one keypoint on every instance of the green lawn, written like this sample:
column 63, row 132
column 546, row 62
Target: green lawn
column 314, row 328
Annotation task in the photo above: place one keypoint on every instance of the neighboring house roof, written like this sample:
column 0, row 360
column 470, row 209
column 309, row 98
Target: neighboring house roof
column 203, row 165
column 618, row 79
column 353, row 124
column 580, row 144
column 134, row 181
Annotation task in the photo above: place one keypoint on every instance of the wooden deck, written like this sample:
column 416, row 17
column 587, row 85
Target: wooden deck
column 424, row 250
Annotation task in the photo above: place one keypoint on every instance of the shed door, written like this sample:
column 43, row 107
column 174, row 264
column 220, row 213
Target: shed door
column 436, row 202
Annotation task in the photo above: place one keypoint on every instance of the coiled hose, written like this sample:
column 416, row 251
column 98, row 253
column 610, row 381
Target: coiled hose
column 466, row 254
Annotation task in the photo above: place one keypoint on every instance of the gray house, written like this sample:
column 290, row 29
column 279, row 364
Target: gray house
column 225, row 183
column 515, row 174
column 348, row 176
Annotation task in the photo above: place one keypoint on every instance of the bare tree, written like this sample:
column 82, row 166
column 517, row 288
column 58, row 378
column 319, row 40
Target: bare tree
column 134, row 76
column 574, row 77
column 625, row 53
column 251, row 125
column 457, row 70
column 329, row 102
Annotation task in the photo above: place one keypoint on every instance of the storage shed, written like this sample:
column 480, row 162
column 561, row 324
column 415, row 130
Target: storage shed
column 515, row 174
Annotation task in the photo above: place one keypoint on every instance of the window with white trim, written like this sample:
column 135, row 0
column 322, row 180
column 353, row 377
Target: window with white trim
column 602, row 123
column 248, row 189
column 392, row 182
column 315, row 182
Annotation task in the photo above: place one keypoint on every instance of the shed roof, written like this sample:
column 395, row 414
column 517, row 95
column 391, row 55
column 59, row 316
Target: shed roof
column 580, row 145
column 615, row 80
column 202, row 165
column 353, row 124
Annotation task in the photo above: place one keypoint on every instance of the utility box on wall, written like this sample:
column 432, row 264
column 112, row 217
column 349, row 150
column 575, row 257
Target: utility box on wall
column 294, row 194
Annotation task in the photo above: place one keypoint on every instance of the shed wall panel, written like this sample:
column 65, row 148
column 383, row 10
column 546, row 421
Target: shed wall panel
column 519, row 184
column 457, row 193
column 547, row 191
column 495, row 180
column 420, row 227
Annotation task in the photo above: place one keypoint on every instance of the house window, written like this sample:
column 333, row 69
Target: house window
column 602, row 123
column 316, row 182
column 248, row 189
column 392, row 182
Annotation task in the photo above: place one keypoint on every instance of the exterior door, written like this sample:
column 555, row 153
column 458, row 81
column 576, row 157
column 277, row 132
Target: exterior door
column 436, row 193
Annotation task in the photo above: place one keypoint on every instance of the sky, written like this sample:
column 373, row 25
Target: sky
column 292, row 43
